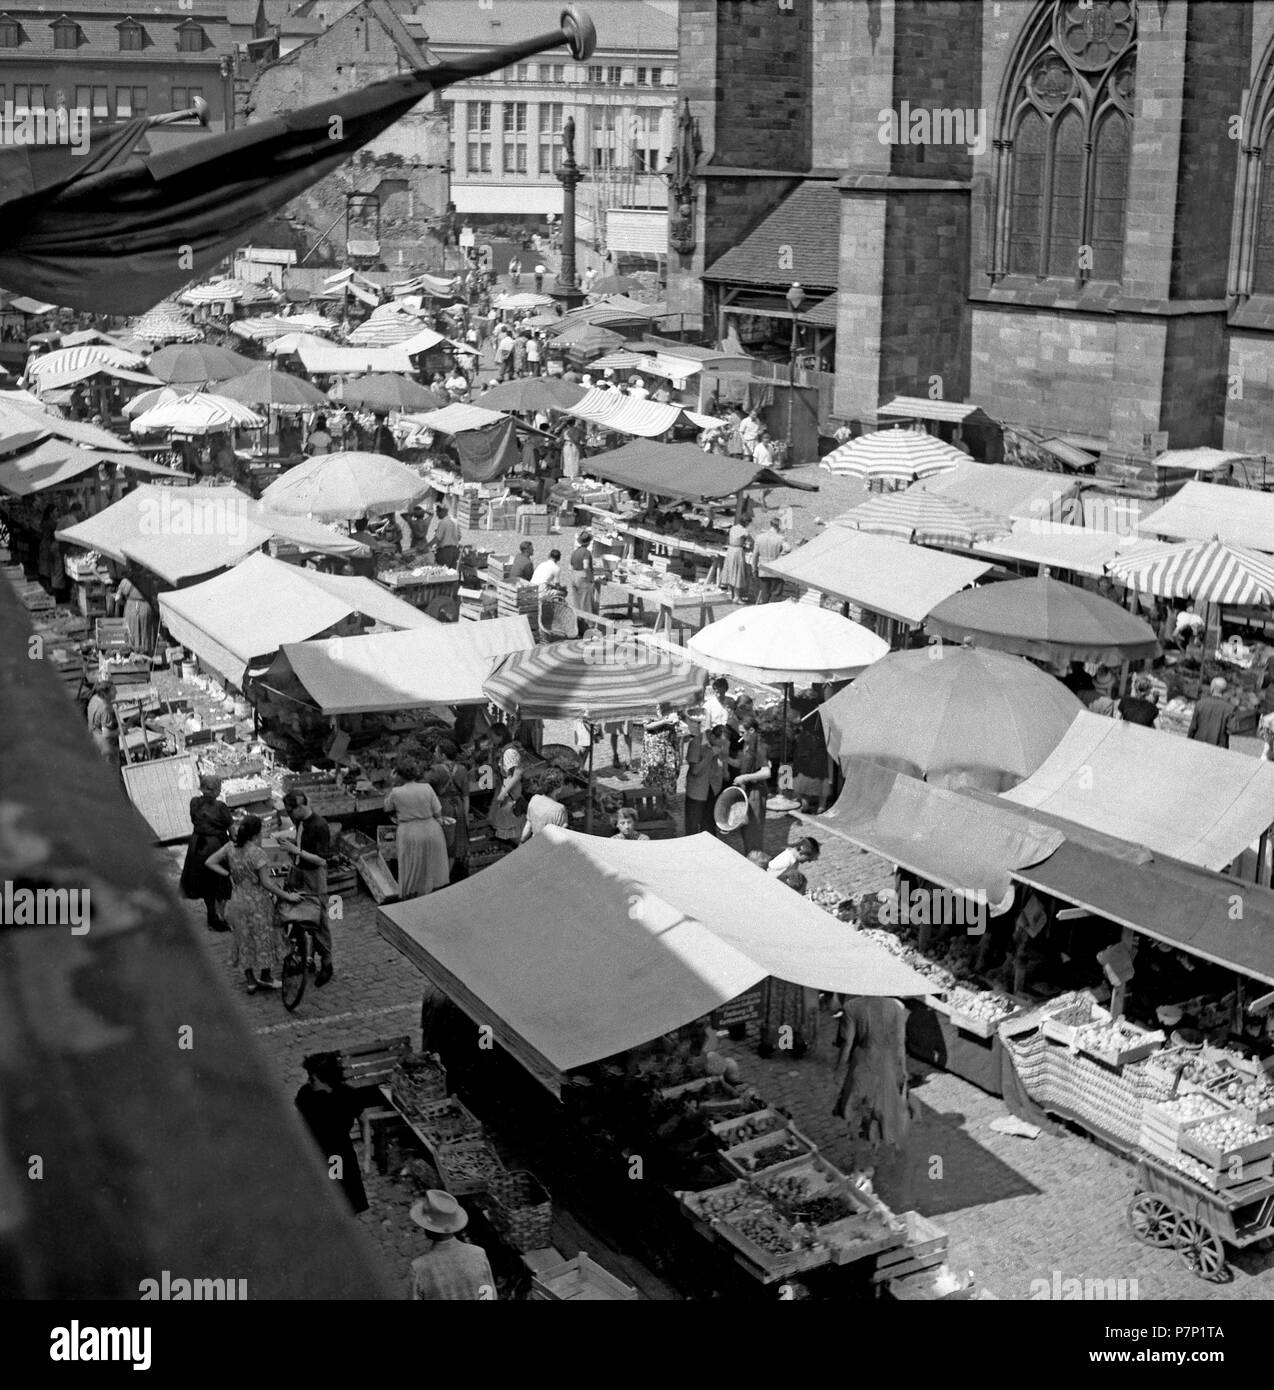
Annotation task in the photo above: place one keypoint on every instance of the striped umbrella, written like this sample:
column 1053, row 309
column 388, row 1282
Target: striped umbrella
column 927, row 518
column 898, row 455
column 197, row 413
column 165, row 324
column 69, row 360
column 264, row 387
column 338, row 487
column 588, row 680
column 386, row 329
column 525, row 300
column 1210, row 572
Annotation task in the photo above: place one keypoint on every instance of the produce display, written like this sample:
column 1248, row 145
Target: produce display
column 766, row 1230
column 1110, row 1039
column 255, row 786
column 723, row 1201
column 415, row 1087
column 419, row 574
column 989, row 1007
column 1228, row 1133
column 1251, row 1093
column 1194, row 1106
column 469, row 1164
column 752, row 1127
column 788, row 1146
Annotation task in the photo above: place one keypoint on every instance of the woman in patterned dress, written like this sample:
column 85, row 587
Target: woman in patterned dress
column 661, row 751
column 259, row 942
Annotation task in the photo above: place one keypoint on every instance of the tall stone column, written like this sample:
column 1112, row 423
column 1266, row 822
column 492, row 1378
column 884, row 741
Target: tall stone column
column 569, row 176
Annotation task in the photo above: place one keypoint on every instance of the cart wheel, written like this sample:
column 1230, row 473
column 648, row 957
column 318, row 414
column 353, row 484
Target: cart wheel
column 1201, row 1250
column 1153, row 1221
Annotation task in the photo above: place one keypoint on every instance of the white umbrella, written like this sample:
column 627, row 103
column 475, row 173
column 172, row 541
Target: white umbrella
column 345, row 485
column 148, row 400
column 896, row 455
column 786, row 643
column 198, row 413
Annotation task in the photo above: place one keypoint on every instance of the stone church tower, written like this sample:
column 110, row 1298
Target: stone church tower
column 1059, row 210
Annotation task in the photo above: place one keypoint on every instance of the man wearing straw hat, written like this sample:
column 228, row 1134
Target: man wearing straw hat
column 450, row 1270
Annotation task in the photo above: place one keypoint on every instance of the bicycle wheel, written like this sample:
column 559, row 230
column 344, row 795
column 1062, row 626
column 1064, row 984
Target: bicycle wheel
column 294, row 970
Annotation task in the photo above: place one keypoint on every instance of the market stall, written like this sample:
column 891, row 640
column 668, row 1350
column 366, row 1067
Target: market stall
column 900, row 583
column 1237, row 516
column 1052, row 546
column 1003, row 490
column 249, row 612
column 668, row 941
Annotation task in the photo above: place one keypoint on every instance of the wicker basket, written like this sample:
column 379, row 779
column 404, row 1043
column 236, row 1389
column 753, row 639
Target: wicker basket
column 521, row 1210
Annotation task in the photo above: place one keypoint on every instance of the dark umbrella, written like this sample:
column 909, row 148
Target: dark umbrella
column 113, row 230
column 263, row 387
column 532, row 393
column 195, row 364
column 385, row 391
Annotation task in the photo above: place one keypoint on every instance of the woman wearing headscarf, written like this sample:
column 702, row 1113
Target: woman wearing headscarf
column 505, row 819
column 103, row 721
column 211, row 821
column 422, row 846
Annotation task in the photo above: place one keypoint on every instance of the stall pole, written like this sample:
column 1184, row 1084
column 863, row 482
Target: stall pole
column 1117, row 994
column 588, row 808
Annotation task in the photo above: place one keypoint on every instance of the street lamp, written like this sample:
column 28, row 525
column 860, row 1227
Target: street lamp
column 795, row 298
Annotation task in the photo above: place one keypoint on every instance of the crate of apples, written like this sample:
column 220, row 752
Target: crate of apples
column 1221, row 1139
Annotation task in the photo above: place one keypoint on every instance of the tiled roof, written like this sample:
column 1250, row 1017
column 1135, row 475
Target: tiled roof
column 807, row 223
column 629, row 25
column 99, row 26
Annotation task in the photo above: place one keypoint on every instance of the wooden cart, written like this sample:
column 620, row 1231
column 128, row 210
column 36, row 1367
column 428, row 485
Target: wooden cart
column 1171, row 1210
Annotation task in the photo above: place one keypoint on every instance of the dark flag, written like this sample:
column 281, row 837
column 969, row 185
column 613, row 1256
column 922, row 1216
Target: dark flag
column 112, row 231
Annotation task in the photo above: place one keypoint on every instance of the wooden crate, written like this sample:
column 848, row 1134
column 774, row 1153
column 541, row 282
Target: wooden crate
column 1214, row 1158
column 374, row 872
column 373, row 1062
column 580, row 1280
column 925, row 1245
column 739, row 1156
column 456, row 1162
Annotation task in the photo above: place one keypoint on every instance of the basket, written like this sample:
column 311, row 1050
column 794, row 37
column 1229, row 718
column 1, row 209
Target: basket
column 521, row 1210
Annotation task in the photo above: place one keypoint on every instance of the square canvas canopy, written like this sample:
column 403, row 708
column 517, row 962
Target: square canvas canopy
column 249, row 612
column 619, row 942
column 1060, row 546
column 1200, row 804
column 1236, row 515
column 321, row 358
column 54, row 462
column 891, row 577
column 435, row 664
column 1005, row 491
column 676, row 470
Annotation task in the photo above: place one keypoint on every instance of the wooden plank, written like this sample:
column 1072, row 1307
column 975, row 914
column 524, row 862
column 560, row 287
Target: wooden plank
column 161, row 790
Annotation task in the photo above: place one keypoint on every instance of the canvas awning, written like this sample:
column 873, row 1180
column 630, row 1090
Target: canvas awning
column 613, row 410
column 249, row 612
column 435, row 664
column 919, row 408
column 930, row 831
column 1005, row 491
column 23, row 421
column 890, row 577
column 1237, row 515
column 54, row 462
column 1200, row 460
column 321, row 358
column 455, row 418
column 1200, row 804
column 677, row 470
column 1060, row 546
column 619, row 942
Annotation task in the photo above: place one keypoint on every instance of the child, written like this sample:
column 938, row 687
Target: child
column 804, row 851
column 626, row 825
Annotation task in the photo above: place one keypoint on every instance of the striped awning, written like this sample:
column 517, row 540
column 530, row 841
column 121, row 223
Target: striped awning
column 594, row 680
column 226, row 292
column 165, row 325
column 927, row 518
column 613, row 410
column 68, row 361
column 1211, row 572
column 198, row 413
column 387, row 326
column 899, row 455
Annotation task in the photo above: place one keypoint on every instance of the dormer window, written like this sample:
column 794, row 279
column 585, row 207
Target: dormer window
column 67, row 33
column 11, row 34
column 191, row 38
column 132, row 36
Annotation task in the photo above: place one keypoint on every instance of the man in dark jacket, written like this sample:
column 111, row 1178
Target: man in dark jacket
column 1213, row 714
column 329, row 1108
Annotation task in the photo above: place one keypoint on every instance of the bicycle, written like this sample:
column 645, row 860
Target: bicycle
column 296, row 963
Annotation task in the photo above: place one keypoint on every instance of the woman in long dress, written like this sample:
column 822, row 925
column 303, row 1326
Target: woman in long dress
column 422, row 846
column 661, row 751
column 506, row 821
column 571, row 453
column 873, row 1097
column 789, row 1014
column 138, row 615
column 734, row 572
column 259, row 941
column 210, row 820
column 450, row 779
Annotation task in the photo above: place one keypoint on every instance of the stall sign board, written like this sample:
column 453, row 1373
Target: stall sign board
column 744, row 1008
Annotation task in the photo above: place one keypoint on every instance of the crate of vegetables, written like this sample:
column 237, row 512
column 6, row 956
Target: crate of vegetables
column 1221, row 1141
column 418, row 1080
column 444, row 1122
column 468, row 1166
column 755, row 1156
column 765, row 1239
column 1117, row 1043
column 1253, row 1095
column 844, row 1218
column 717, row 1202
column 740, row 1128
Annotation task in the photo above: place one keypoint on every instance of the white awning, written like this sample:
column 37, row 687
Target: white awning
column 1006, row 491
column 613, row 410
column 321, row 358
column 1236, row 515
column 1061, row 547
column 918, row 408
